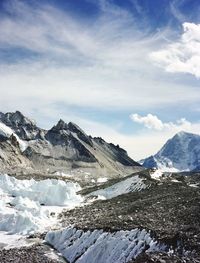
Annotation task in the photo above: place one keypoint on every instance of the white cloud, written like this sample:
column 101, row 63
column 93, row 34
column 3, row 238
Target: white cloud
column 184, row 54
column 152, row 122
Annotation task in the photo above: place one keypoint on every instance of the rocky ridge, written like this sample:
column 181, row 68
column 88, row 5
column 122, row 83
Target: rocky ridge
column 64, row 148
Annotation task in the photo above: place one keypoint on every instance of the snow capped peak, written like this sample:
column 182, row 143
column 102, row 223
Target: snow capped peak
column 25, row 128
column 17, row 118
column 180, row 153
column 181, row 134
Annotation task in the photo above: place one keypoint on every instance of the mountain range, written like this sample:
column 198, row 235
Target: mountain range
column 67, row 149
column 24, row 147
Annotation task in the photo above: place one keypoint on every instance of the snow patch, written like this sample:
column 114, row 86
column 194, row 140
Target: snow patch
column 98, row 246
column 12, row 241
column 132, row 184
column 102, row 180
column 58, row 173
column 175, row 181
column 156, row 175
column 194, row 185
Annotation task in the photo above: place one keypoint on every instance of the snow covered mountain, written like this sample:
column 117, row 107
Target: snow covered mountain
column 63, row 148
column 180, row 153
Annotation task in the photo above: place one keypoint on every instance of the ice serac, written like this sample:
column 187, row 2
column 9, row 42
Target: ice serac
column 79, row 246
column 26, row 205
column 65, row 147
column 180, row 153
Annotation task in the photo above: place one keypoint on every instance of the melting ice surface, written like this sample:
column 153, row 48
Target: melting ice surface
column 98, row 246
column 29, row 206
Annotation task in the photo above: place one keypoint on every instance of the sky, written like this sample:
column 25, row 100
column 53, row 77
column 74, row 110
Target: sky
column 125, row 70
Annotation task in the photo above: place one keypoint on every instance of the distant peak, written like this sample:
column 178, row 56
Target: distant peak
column 184, row 134
column 15, row 118
column 61, row 122
column 16, row 114
column 181, row 133
column 19, row 113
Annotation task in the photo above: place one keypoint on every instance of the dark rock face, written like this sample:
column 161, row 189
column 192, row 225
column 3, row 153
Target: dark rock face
column 117, row 153
column 83, row 154
column 57, row 136
column 150, row 162
column 80, row 133
column 121, row 155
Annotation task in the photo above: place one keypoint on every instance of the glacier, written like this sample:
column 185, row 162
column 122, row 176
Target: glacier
column 29, row 206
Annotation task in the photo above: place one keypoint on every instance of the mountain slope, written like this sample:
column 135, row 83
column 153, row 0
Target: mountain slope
column 65, row 148
column 180, row 153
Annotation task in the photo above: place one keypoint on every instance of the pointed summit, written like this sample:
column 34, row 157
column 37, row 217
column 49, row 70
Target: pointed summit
column 16, row 118
column 61, row 125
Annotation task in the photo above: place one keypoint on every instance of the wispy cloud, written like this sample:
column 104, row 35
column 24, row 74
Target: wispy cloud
column 175, row 10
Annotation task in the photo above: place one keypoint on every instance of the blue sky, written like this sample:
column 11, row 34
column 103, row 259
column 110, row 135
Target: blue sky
column 125, row 70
